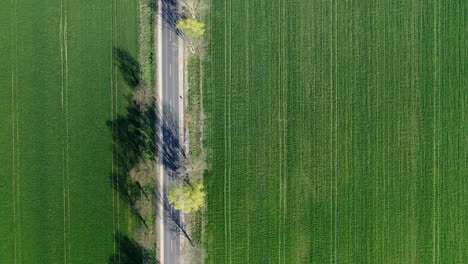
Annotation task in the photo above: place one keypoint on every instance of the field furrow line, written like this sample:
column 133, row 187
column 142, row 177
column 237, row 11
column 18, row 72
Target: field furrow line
column 62, row 90
column 283, row 134
column 439, row 178
column 438, row 133
column 14, row 160
column 435, row 188
column 116, row 128
column 248, row 82
column 116, row 109
column 229, row 129
column 387, row 152
column 230, row 132
column 226, row 160
column 439, row 39
column 336, row 130
column 112, row 128
column 285, row 120
column 13, row 117
column 18, row 193
column 116, row 169
column 249, row 111
column 332, row 202
column 67, row 127
column 280, row 130
column 17, row 149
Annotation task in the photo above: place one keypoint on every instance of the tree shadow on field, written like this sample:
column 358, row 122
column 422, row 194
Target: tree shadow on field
column 140, row 133
column 144, row 134
column 128, row 66
column 130, row 252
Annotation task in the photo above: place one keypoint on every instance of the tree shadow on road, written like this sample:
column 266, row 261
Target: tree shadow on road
column 172, row 217
column 140, row 134
column 170, row 14
column 145, row 134
column 169, row 148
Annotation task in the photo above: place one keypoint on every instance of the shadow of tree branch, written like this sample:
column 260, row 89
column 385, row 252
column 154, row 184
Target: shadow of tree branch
column 130, row 252
column 172, row 217
column 142, row 134
column 170, row 15
column 128, row 66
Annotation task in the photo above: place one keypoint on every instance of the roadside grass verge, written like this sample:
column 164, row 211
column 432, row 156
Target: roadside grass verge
column 135, row 136
column 146, row 41
column 195, row 118
column 194, row 108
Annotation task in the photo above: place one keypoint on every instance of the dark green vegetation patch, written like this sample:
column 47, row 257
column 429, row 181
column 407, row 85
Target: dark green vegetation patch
column 337, row 131
column 59, row 85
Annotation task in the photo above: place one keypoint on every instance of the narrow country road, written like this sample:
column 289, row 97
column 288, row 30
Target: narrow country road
column 170, row 71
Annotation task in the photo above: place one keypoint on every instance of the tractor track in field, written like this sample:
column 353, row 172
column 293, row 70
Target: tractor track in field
column 113, row 116
column 15, row 134
column 115, row 168
column 65, row 141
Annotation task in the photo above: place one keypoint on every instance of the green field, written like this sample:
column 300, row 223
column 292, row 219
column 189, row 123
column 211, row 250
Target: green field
column 337, row 131
column 58, row 87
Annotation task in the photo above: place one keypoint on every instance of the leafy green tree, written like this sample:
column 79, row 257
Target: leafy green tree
column 187, row 198
column 191, row 26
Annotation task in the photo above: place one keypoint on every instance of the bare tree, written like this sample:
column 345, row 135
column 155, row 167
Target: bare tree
column 192, row 168
column 143, row 173
column 144, row 96
column 196, row 44
column 194, row 8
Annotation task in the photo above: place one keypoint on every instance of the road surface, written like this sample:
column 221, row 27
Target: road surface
column 170, row 99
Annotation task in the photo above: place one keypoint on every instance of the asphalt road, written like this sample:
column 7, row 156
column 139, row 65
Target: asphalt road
column 171, row 100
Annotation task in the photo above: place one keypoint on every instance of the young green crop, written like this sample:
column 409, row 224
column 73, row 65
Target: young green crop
column 59, row 87
column 335, row 131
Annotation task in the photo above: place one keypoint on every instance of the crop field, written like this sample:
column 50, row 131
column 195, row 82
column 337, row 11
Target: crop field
column 337, row 131
column 59, row 85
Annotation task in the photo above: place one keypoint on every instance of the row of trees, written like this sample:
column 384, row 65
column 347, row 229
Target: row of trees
column 189, row 196
column 135, row 136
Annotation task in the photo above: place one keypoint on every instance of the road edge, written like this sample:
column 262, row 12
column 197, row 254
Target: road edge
column 160, row 171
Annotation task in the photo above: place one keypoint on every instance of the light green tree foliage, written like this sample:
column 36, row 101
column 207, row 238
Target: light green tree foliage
column 187, row 198
column 191, row 26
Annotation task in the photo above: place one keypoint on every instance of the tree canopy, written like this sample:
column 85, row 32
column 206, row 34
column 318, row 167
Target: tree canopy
column 191, row 26
column 187, row 198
